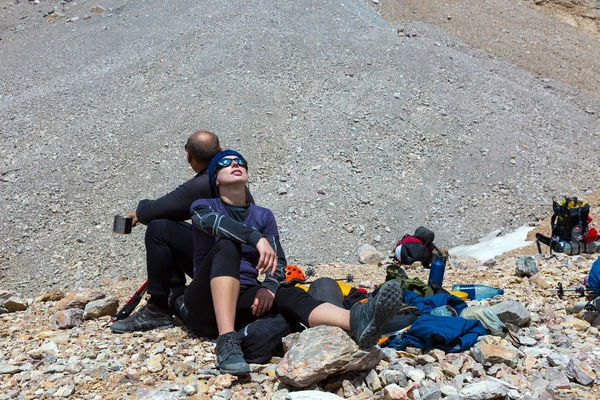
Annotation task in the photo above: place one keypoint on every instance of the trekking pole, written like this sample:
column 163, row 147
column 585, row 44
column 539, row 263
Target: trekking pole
column 131, row 304
column 311, row 272
column 348, row 278
column 580, row 291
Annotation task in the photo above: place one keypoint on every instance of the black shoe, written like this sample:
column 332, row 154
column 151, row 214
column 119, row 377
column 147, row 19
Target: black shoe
column 368, row 319
column 148, row 317
column 230, row 359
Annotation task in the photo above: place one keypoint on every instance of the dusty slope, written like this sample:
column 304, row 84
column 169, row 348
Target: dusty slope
column 369, row 133
column 582, row 14
column 515, row 31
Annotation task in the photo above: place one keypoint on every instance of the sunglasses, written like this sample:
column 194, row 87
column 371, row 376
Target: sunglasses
column 226, row 162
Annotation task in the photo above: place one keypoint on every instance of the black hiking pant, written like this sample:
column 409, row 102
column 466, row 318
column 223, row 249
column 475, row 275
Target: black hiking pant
column 224, row 260
column 327, row 290
column 169, row 256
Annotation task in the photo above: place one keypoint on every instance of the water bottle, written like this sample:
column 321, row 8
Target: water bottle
column 572, row 248
column 436, row 271
column 478, row 292
column 577, row 232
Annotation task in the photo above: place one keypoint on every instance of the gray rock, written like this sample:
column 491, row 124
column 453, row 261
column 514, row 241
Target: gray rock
column 99, row 308
column 373, row 381
column 526, row 266
column 146, row 394
column 483, row 390
column 539, row 385
column 391, row 376
column 430, row 391
column 389, row 354
column 512, row 312
column 281, row 394
column 558, row 360
column 581, row 372
column 367, row 254
column 8, row 369
column 557, row 379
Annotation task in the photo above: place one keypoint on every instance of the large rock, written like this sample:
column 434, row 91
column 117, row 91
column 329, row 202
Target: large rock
column 557, row 379
column 526, row 266
column 483, row 390
column 320, row 352
column 66, row 319
column 368, row 254
column 512, row 312
column 78, row 299
column 491, row 354
column 102, row 307
column 580, row 372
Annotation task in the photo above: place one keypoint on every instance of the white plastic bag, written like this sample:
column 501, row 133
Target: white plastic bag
column 487, row 317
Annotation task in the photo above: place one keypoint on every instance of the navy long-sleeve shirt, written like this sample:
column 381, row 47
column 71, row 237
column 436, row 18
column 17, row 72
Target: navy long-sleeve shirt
column 211, row 220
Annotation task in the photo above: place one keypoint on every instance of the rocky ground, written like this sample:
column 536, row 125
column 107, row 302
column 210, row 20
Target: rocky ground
column 362, row 121
column 42, row 356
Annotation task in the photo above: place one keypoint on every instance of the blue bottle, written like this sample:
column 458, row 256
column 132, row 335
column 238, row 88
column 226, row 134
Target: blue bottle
column 478, row 292
column 436, row 271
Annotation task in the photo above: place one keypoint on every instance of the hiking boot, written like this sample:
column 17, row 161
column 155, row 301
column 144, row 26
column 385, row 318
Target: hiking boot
column 230, row 359
column 148, row 317
column 368, row 319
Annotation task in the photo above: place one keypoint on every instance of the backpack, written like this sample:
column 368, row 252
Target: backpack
column 567, row 214
column 261, row 339
column 417, row 247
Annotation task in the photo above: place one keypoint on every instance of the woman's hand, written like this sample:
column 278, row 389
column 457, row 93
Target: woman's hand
column 262, row 302
column 268, row 257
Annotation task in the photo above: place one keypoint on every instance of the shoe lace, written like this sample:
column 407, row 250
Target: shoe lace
column 229, row 345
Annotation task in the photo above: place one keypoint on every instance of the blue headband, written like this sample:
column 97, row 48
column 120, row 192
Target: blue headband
column 212, row 167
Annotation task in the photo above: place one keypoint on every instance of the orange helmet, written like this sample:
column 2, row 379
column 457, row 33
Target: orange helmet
column 293, row 274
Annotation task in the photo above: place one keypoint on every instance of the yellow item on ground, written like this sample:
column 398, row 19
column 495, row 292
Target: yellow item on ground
column 345, row 288
column 461, row 295
column 301, row 287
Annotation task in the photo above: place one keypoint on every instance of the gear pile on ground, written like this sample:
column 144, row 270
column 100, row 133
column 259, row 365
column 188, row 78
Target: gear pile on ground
column 45, row 355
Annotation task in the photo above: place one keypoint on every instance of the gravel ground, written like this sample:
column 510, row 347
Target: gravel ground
column 356, row 132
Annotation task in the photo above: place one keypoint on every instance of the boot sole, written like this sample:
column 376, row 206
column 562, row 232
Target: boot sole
column 389, row 303
column 120, row 331
column 232, row 371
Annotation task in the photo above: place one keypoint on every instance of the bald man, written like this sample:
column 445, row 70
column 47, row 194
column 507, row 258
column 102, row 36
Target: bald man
column 169, row 247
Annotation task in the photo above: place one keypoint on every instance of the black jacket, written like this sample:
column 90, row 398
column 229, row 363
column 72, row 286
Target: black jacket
column 176, row 204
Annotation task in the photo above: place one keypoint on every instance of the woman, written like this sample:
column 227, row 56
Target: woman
column 234, row 241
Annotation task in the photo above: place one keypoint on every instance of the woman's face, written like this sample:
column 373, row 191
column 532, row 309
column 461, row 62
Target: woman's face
column 234, row 173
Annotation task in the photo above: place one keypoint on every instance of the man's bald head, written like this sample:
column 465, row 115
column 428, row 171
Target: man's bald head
column 202, row 146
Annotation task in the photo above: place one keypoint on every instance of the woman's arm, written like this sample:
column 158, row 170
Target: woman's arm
column 272, row 282
column 219, row 225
